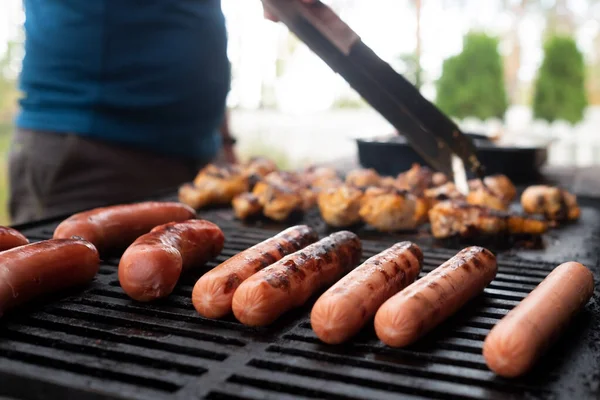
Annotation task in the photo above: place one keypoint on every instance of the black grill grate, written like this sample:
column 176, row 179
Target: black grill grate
column 99, row 344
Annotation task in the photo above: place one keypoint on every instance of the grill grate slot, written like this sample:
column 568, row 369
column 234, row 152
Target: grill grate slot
column 279, row 384
column 84, row 365
column 105, row 349
column 118, row 334
column 144, row 323
column 409, row 384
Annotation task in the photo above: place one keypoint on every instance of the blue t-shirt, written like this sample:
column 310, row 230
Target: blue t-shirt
column 153, row 74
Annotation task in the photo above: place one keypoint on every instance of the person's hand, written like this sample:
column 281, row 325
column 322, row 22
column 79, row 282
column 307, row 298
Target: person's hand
column 271, row 17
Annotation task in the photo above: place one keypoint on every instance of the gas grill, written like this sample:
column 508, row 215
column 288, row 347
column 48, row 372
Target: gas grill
column 96, row 343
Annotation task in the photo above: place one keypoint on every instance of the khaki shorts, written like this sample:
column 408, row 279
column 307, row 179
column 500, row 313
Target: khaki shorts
column 53, row 174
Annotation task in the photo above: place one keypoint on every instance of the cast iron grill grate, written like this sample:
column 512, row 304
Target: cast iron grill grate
column 99, row 344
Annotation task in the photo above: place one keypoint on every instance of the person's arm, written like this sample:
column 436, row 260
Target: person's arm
column 228, row 140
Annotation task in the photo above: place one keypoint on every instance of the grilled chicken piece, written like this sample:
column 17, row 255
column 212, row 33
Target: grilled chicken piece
column 416, row 180
column 340, row 206
column 281, row 202
column 315, row 173
column 447, row 191
column 325, row 183
column 246, row 205
column 278, row 199
column 260, row 167
column 363, row 178
column 554, row 203
column 389, row 210
column 499, row 185
column 483, row 196
column 438, row 179
column 458, row 218
column 214, row 185
column 294, row 182
column 387, row 182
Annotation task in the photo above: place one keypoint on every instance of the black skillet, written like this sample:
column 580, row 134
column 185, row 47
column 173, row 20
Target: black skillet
column 392, row 154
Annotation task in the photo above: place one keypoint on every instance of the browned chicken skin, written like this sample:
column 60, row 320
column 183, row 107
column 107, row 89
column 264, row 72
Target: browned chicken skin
column 416, row 180
column 447, row 191
column 340, row 206
column 458, row 218
column 483, row 196
column 259, row 166
column 246, row 205
column 214, row 185
column 363, row 178
column 552, row 202
column 498, row 185
column 389, row 210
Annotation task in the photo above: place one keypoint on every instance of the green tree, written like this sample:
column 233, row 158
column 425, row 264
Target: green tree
column 472, row 82
column 560, row 87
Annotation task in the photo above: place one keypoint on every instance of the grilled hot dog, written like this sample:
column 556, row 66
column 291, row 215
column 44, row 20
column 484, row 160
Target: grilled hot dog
column 39, row 268
column 519, row 339
column 420, row 307
column 213, row 293
column 290, row 282
column 151, row 266
column 118, row 226
column 10, row 238
column 344, row 309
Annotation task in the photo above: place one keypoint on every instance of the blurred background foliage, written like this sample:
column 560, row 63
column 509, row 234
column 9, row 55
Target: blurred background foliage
column 560, row 87
column 472, row 82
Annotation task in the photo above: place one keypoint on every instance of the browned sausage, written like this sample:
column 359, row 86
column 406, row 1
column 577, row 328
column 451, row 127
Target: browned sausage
column 522, row 336
column 213, row 293
column 345, row 308
column 118, row 226
column 151, row 266
column 10, row 238
column 39, row 268
column 289, row 283
column 423, row 305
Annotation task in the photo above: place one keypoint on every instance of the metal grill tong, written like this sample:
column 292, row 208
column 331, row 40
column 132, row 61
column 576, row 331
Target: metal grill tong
column 429, row 131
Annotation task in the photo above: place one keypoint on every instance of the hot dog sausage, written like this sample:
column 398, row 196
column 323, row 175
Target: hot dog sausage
column 345, row 308
column 213, row 293
column 35, row 269
column 118, row 226
column 289, row 283
column 520, row 338
column 10, row 238
column 151, row 266
column 420, row 307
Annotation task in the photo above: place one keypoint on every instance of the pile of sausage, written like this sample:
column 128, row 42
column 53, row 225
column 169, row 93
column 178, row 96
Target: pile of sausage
column 260, row 284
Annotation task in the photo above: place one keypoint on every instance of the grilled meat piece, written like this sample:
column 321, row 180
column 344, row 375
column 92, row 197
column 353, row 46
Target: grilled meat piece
column 554, row 203
column 447, row 191
column 278, row 201
column 214, row 185
column 246, row 205
column 416, row 180
column 294, row 182
column 458, row 218
column 315, row 173
column 483, row 196
column 438, row 179
column 499, row 185
column 340, row 206
column 363, row 178
column 389, row 210
column 259, row 167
